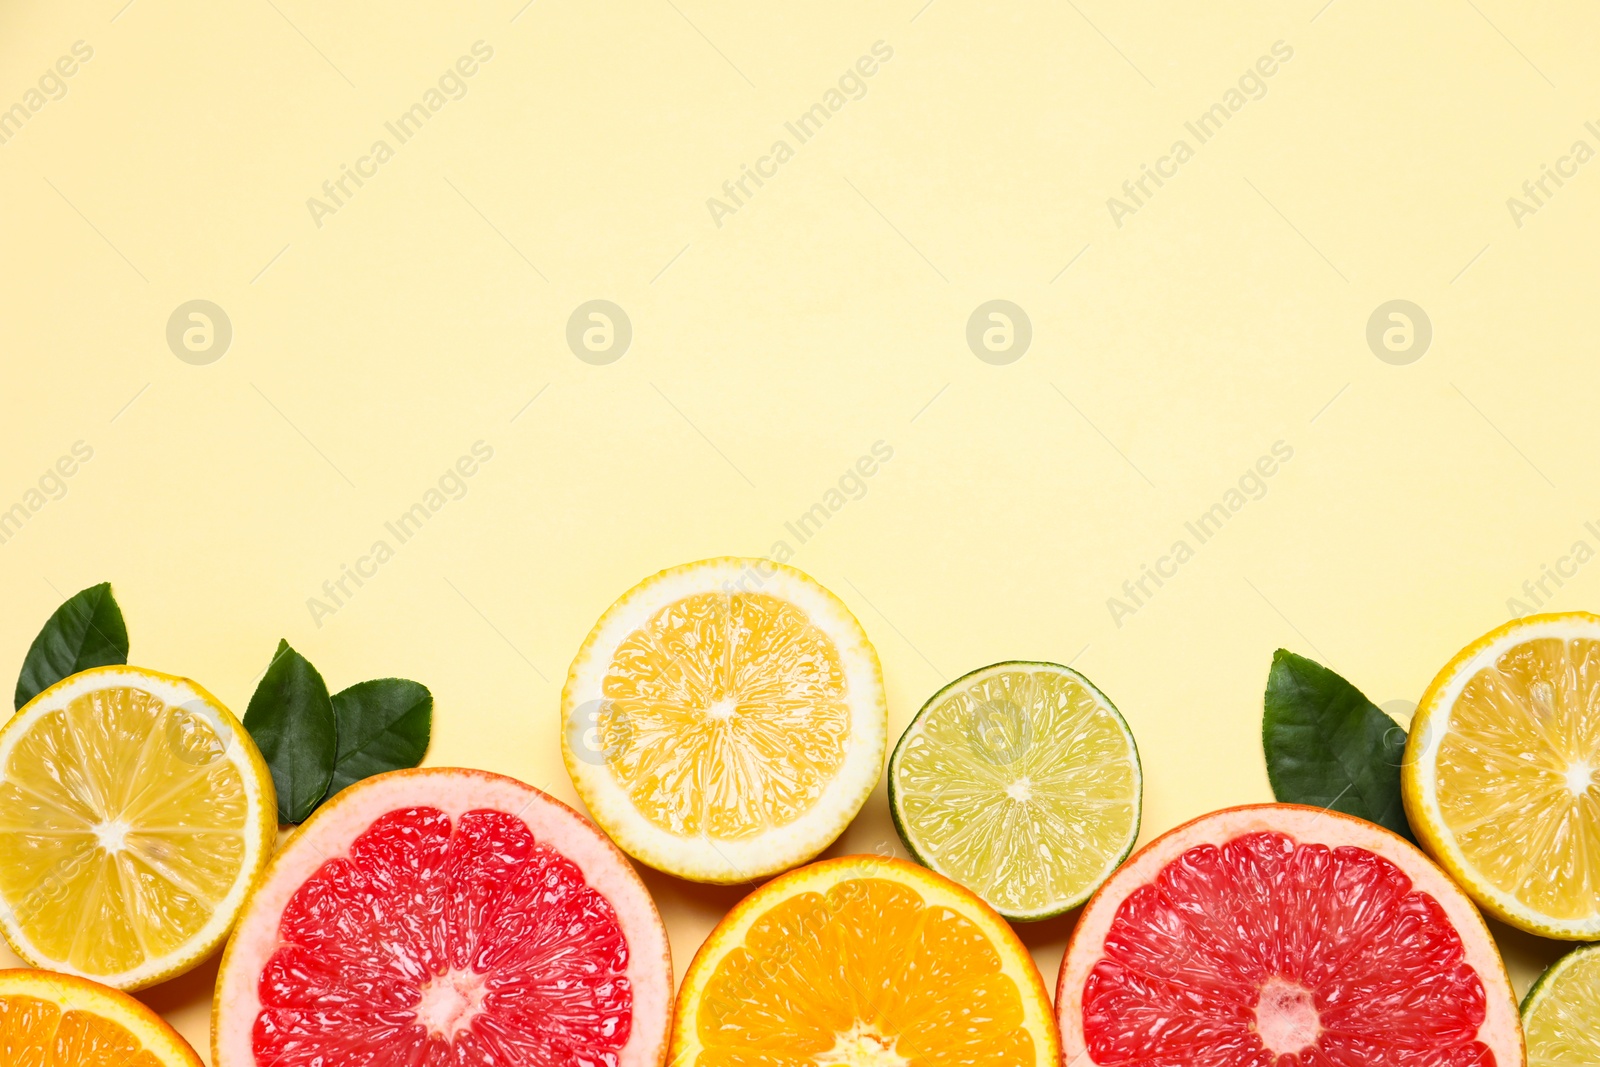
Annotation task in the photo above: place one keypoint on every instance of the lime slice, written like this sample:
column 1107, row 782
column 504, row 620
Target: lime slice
column 1021, row 782
column 1561, row 1016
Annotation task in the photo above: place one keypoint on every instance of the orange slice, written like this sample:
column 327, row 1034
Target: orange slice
column 56, row 1020
column 863, row 962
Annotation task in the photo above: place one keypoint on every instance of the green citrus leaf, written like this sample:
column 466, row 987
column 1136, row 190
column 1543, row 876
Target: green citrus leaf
column 87, row 631
column 384, row 725
column 291, row 720
column 1328, row 746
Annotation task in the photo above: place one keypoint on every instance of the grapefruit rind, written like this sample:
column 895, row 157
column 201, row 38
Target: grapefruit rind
column 819, row 877
column 719, row 860
column 174, row 691
column 329, row 833
column 72, row 993
column 1418, row 783
column 1501, row 1029
column 910, row 839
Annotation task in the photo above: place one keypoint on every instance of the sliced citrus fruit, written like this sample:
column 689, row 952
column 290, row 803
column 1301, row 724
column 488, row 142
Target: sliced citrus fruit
column 57, row 1020
column 1501, row 778
column 725, row 720
column 1020, row 781
column 135, row 815
column 1561, row 1015
column 863, row 962
column 439, row 917
column 1284, row 936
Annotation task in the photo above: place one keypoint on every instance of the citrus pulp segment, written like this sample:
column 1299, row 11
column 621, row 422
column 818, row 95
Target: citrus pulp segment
column 1561, row 1015
column 439, row 917
column 57, row 1020
column 725, row 720
column 135, row 815
column 1501, row 779
column 1021, row 782
column 1284, row 936
column 863, row 962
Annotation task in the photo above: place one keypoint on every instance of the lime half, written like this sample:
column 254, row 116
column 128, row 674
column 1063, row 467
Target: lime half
column 1021, row 782
column 1561, row 1016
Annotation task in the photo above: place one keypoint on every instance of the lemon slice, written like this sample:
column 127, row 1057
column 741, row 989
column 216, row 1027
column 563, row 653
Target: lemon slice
column 725, row 720
column 863, row 962
column 53, row 1020
column 1561, row 1014
column 1021, row 782
column 135, row 815
column 1502, row 773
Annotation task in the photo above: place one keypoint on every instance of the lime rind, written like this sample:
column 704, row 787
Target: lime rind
column 1010, row 739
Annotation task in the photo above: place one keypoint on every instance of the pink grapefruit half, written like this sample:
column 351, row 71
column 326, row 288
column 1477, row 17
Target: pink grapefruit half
column 445, row 917
column 1284, row 936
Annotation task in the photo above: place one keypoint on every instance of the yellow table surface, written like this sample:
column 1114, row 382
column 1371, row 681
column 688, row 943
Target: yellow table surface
column 1177, row 336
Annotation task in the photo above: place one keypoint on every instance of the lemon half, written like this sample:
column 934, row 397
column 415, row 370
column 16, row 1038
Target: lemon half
column 725, row 720
column 1501, row 779
column 135, row 815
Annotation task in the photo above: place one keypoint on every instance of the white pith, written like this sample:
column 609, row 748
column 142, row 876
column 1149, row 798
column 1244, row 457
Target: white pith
column 1501, row 1028
column 238, row 750
column 329, row 834
column 705, row 858
column 1422, row 761
column 1286, row 1020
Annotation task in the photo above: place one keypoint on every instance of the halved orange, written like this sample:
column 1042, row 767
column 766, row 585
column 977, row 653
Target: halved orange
column 863, row 962
column 57, row 1020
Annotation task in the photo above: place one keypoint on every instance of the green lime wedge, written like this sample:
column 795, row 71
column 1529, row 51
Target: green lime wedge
column 1021, row 782
column 1561, row 1015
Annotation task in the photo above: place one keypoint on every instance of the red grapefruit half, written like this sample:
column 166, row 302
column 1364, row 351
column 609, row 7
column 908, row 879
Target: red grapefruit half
column 1284, row 936
column 445, row 918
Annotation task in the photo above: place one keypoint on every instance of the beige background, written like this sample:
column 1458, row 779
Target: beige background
column 829, row 312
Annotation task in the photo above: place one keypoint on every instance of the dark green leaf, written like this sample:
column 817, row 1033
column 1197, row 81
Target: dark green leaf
column 384, row 725
column 87, row 631
column 291, row 720
column 1328, row 746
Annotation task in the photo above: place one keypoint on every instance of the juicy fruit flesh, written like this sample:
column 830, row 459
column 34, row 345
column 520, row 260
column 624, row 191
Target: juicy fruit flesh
column 435, row 943
column 1563, row 1030
column 867, row 974
column 1263, row 952
column 123, row 814
column 725, row 715
column 1519, row 775
column 1022, row 787
column 37, row 1033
